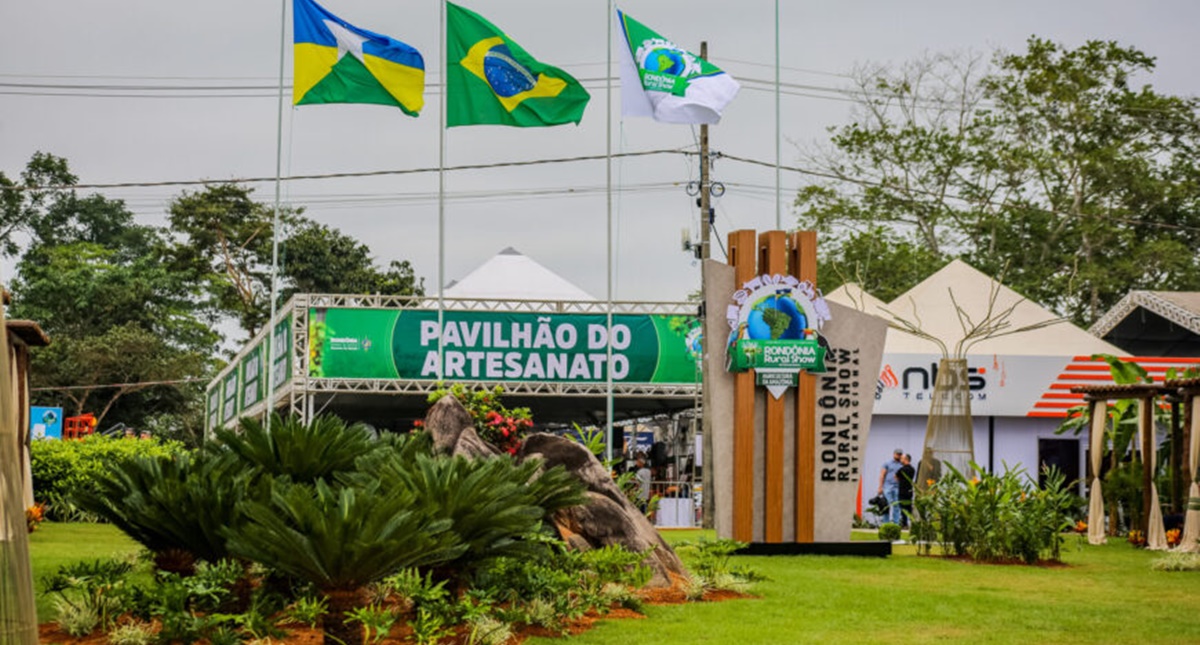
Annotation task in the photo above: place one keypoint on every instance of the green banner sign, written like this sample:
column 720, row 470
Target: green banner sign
column 229, row 396
column 498, row 346
column 281, row 353
column 253, row 384
column 214, row 407
column 805, row 355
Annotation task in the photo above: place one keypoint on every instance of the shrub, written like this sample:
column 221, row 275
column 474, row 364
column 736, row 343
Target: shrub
column 889, row 531
column 176, row 507
column 76, row 620
column 486, row 630
column 995, row 517
column 712, row 568
column 492, row 505
column 1177, row 561
column 135, row 633
column 61, row 468
column 307, row 610
column 305, row 452
column 89, row 593
column 376, row 620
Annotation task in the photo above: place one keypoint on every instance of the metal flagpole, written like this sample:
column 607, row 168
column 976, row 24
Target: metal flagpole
column 441, row 272
column 778, row 154
column 275, row 224
column 608, row 400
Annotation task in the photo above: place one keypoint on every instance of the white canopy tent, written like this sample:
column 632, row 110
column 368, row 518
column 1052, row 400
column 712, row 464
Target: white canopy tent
column 510, row 275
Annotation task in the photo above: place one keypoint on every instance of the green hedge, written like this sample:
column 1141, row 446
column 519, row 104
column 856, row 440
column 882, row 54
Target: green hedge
column 63, row 467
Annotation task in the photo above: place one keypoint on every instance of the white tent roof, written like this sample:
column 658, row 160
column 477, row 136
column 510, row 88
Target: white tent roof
column 929, row 304
column 851, row 294
column 509, row 275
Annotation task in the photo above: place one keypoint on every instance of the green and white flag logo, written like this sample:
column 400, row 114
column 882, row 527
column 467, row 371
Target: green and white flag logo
column 669, row 84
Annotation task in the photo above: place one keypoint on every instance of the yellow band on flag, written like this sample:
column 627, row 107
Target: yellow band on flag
column 546, row 87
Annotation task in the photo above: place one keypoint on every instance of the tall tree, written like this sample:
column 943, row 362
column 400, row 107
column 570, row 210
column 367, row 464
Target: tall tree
column 1051, row 169
column 320, row 259
column 120, row 322
column 1109, row 200
column 225, row 241
column 226, row 244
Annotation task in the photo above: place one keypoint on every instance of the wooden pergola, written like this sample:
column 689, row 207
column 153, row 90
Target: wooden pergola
column 1177, row 393
column 1187, row 395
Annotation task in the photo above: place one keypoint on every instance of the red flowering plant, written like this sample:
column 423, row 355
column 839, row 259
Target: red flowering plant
column 502, row 427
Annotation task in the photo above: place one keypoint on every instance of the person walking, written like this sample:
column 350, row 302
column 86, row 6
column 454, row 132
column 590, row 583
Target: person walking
column 904, row 479
column 889, row 486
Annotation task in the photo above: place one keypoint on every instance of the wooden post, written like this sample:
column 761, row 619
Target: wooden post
column 1178, row 490
column 1146, row 423
column 803, row 265
column 772, row 259
column 742, row 258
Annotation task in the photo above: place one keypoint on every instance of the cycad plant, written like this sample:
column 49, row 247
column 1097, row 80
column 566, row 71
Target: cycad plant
column 302, row 451
column 342, row 539
column 491, row 504
column 177, row 507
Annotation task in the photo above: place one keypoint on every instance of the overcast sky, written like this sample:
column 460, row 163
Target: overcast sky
column 130, row 134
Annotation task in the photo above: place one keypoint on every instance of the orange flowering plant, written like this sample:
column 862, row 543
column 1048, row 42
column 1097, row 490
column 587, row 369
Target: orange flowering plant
column 34, row 515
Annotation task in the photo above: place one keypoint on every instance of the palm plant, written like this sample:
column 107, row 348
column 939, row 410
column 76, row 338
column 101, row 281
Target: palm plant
column 303, row 452
column 177, row 507
column 491, row 503
column 341, row 539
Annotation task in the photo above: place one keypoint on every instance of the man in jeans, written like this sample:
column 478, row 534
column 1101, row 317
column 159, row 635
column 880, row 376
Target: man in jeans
column 889, row 486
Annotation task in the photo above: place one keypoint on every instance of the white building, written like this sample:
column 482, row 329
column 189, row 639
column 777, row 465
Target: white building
column 1020, row 383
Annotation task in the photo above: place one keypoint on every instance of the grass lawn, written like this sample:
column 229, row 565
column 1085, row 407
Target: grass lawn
column 55, row 544
column 1107, row 594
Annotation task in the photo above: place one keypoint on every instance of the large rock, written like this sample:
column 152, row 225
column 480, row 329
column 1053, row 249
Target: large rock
column 453, row 430
column 609, row 517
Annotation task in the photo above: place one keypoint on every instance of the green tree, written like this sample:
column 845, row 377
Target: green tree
column 23, row 203
column 320, row 259
column 95, row 280
column 224, row 241
column 1050, row 168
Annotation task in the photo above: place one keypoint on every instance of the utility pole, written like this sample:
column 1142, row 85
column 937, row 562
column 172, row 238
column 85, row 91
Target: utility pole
column 705, row 204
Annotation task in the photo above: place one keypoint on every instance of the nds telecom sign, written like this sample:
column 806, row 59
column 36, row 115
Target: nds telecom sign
column 774, row 322
column 499, row 346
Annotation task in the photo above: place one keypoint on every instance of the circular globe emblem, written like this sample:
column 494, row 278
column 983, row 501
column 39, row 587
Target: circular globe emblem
column 506, row 76
column 49, row 417
column 776, row 317
column 665, row 61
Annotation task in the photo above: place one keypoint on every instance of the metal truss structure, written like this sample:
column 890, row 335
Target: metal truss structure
column 302, row 395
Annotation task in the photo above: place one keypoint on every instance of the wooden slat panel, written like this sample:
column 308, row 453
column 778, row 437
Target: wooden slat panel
column 802, row 260
column 742, row 258
column 772, row 259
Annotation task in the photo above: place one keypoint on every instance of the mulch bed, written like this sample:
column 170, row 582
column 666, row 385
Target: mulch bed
column 1010, row 562
column 298, row 634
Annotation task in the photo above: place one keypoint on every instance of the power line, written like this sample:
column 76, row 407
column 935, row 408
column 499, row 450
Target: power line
column 931, row 193
column 340, row 175
column 60, row 388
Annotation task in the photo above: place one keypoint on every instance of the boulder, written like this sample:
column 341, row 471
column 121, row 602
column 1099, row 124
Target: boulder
column 609, row 517
column 453, row 430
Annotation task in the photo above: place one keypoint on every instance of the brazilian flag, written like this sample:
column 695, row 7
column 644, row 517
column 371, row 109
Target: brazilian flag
column 336, row 62
column 491, row 80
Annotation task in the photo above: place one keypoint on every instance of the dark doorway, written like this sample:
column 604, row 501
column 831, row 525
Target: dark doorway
column 1063, row 454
